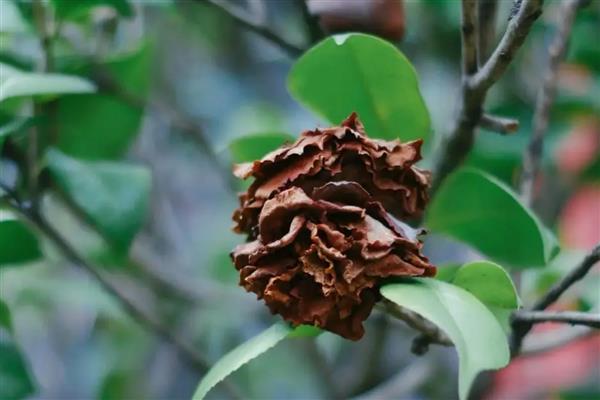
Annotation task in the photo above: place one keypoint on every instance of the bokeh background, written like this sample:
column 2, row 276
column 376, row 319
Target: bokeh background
column 181, row 80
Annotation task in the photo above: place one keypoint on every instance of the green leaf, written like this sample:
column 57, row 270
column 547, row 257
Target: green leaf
column 478, row 209
column 446, row 273
column 592, row 171
column 479, row 339
column 5, row 320
column 492, row 285
column 15, row 381
column 74, row 9
column 103, row 126
column 18, row 244
column 14, row 83
column 113, row 196
column 254, row 147
column 357, row 72
column 241, row 355
column 305, row 331
column 120, row 384
column 584, row 48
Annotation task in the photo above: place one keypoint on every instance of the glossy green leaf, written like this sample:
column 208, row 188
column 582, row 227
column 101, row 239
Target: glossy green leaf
column 362, row 73
column 248, row 351
column 73, row 9
column 15, row 380
column 103, row 126
column 21, row 84
column 492, row 285
column 446, row 273
column 479, row 339
column 241, row 355
column 478, row 209
column 489, row 282
column 18, row 244
column 254, row 147
column 114, row 197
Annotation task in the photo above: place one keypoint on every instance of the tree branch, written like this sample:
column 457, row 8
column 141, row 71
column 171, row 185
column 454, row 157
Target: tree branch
column 415, row 321
column 545, row 98
column 568, row 317
column 106, row 83
column 430, row 333
column 487, row 11
column 516, row 32
column 315, row 33
column 254, row 26
column 455, row 146
column 194, row 359
column 470, row 33
column 522, row 328
column 501, row 125
column 575, row 275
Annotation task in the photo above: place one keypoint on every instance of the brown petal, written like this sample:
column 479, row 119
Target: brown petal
column 319, row 219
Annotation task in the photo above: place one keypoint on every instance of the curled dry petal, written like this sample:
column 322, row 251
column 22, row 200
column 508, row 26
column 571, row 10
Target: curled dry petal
column 385, row 169
column 321, row 237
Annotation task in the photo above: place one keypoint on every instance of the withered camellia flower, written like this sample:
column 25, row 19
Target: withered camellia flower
column 321, row 228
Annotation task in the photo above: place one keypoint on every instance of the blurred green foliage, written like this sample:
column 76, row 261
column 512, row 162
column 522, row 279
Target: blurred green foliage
column 119, row 65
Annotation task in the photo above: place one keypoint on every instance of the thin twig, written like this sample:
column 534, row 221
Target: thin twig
column 33, row 139
column 521, row 329
column 517, row 31
column 106, row 83
column 545, row 98
column 415, row 321
column 10, row 193
column 469, row 30
column 487, row 11
column 575, row 275
column 195, row 360
column 247, row 22
column 568, row 317
column 455, row 146
column 501, row 125
column 315, row 32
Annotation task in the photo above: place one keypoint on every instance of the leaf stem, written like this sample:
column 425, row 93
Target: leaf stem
column 257, row 27
column 545, row 98
column 522, row 328
column 568, row 317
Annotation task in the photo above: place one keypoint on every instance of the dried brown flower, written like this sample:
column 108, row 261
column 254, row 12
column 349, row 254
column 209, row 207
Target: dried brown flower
column 321, row 238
